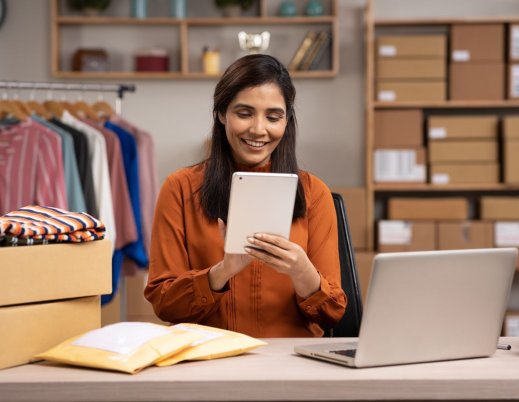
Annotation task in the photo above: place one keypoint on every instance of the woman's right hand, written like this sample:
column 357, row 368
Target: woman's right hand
column 231, row 264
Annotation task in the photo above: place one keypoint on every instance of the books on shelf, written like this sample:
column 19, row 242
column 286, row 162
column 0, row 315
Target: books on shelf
column 310, row 51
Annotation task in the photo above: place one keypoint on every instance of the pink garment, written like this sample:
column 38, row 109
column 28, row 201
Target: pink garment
column 124, row 220
column 148, row 178
column 31, row 167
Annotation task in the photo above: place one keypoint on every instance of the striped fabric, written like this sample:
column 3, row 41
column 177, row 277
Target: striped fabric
column 42, row 225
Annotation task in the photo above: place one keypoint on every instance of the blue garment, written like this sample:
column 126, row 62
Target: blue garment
column 136, row 250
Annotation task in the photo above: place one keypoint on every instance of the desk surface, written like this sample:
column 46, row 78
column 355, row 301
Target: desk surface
column 272, row 372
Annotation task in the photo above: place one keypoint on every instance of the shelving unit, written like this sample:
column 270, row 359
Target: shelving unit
column 377, row 193
column 68, row 31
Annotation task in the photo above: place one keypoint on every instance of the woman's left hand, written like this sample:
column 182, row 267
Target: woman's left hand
column 287, row 258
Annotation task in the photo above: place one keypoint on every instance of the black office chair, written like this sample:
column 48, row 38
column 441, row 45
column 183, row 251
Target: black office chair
column 349, row 325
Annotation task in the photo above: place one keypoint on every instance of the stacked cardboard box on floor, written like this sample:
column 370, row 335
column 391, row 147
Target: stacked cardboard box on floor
column 477, row 70
column 411, row 68
column 463, row 149
column 399, row 155
column 511, row 149
column 49, row 293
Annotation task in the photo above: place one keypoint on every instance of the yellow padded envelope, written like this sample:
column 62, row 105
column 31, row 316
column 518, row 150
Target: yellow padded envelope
column 213, row 344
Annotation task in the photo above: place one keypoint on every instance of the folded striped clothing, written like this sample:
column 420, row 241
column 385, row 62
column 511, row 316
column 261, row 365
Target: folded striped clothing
column 43, row 225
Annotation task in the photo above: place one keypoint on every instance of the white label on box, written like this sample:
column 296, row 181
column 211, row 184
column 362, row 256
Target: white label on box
column 506, row 234
column 394, row 232
column 440, row 178
column 123, row 338
column 437, row 132
column 386, row 96
column 512, row 325
column 460, row 55
column 397, row 165
column 387, row 51
column 514, row 46
column 514, row 81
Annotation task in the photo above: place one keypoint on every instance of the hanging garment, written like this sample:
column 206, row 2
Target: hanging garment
column 42, row 225
column 83, row 164
column 31, row 168
column 101, row 174
column 75, row 197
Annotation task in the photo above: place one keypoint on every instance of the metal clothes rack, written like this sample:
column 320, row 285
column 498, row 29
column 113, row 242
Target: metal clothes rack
column 120, row 89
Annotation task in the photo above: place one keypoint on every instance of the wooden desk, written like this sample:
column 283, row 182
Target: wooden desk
column 271, row 372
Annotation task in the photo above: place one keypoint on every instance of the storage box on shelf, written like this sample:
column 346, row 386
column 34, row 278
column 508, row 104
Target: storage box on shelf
column 49, row 293
column 183, row 39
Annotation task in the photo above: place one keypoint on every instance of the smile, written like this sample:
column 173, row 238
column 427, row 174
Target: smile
column 254, row 144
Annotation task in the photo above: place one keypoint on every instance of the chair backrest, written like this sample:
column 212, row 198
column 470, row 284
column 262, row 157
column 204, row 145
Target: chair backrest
column 349, row 325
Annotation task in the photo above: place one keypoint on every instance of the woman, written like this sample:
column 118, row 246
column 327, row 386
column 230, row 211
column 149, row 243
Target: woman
column 289, row 288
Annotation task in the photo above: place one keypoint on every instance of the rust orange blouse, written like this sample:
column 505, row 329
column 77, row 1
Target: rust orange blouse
column 258, row 301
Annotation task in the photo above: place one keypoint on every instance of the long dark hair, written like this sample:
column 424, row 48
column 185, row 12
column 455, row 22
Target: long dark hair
column 246, row 72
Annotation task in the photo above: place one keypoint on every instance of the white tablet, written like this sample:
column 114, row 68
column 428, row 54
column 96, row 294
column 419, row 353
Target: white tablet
column 259, row 202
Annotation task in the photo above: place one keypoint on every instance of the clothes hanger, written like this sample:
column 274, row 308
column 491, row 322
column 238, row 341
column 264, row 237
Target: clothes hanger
column 103, row 108
column 8, row 108
column 88, row 111
column 36, row 107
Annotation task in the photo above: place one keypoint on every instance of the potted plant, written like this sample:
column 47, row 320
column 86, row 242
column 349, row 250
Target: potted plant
column 233, row 8
column 89, row 7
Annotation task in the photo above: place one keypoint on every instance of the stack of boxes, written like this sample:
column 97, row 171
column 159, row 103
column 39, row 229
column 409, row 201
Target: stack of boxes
column 411, row 68
column 399, row 154
column 49, row 293
column 477, row 70
column 463, row 149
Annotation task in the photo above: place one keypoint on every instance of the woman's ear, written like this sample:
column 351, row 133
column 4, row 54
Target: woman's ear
column 221, row 117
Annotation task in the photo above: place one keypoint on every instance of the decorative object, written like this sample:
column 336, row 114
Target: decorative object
column 288, row 8
column 89, row 7
column 152, row 59
column 178, row 8
column 314, row 8
column 233, row 8
column 211, row 61
column 139, row 8
column 254, row 42
column 90, row 60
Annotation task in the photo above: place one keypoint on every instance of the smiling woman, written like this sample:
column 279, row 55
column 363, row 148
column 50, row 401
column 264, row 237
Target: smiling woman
column 281, row 287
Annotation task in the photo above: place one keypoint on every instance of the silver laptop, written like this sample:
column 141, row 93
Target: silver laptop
column 428, row 306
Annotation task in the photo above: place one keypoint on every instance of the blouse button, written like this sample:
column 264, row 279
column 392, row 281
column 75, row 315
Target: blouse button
column 204, row 299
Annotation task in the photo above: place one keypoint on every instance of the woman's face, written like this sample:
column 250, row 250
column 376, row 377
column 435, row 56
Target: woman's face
column 255, row 122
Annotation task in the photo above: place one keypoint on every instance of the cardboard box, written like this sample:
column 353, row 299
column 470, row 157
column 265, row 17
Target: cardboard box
column 511, row 324
column 477, row 42
column 467, row 234
column 355, row 202
column 513, row 81
column 499, row 208
column 477, row 81
column 463, row 173
column 511, row 127
column 513, row 42
column 55, row 271
column 399, row 165
column 511, row 161
column 410, row 68
column 398, row 235
column 411, row 91
column 29, row 329
column 441, row 151
column 427, row 46
column 462, row 127
column 398, row 128
column 364, row 264
column 448, row 208
column 506, row 234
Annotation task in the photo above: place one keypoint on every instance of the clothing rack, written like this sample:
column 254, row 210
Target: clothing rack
column 120, row 89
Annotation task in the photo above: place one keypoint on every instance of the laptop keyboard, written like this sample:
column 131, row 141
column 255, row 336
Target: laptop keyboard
column 345, row 352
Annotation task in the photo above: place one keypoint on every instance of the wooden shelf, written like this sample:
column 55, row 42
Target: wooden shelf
column 181, row 30
column 444, row 21
column 448, row 104
column 424, row 187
